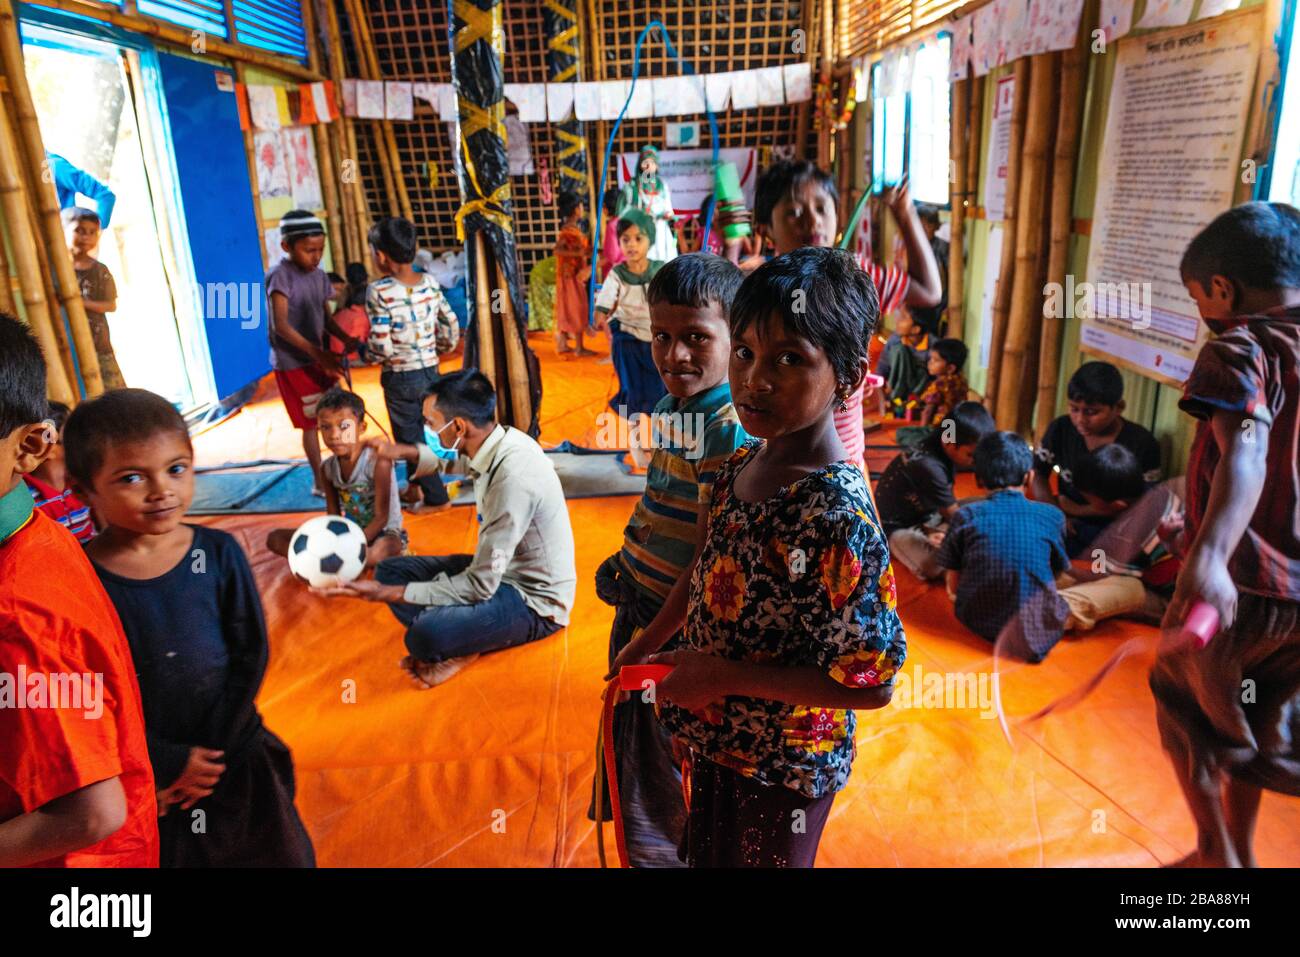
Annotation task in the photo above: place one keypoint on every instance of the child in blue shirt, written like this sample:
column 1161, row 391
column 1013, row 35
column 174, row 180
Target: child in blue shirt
column 1003, row 553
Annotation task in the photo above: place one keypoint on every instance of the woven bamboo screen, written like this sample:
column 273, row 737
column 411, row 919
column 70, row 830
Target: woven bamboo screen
column 874, row 24
column 411, row 44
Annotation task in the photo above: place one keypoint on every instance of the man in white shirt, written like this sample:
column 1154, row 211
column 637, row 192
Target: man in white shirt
column 519, row 584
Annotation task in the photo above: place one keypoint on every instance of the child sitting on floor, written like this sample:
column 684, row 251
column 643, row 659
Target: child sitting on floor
column 904, row 363
column 1243, row 271
column 1132, row 569
column 188, row 603
column 1003, row 553
column 948, row 386
column 622, row 308
column 49, row 486
column 1095, row 394
column 915, row 494
column 695, row 430
column 791, row 620
column 76, row 789
column 358, row 483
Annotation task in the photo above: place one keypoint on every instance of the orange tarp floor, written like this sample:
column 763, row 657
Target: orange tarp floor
column 494, row 767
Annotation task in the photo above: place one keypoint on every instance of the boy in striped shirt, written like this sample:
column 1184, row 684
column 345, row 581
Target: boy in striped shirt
column 411, row 324
column 692, row 431
column 51, row 493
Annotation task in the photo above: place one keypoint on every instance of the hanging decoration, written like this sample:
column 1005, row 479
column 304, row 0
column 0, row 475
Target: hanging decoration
column 563, row 55
column 496, row 340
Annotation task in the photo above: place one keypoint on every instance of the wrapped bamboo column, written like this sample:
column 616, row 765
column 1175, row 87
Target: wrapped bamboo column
column 250, row 158
column 960, row 100
column 1007, row 268
column 486, row 215
column 324, row 154
column 51, row 294
column 1026, row 311
column 385, row 138
column 827, row 45
column 563, row 65
column 28, row 135
column 13, row 207
column 974, row 134
column 1074, row 73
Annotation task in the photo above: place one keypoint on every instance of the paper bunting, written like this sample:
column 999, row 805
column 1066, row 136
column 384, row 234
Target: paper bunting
column 398, row 102
column 530, row 99
column 771, row 88
column 744, row 90
column 559, row 102
column 798, row 82
column 262, row 107
column 1116, row 18
column 961, row 49
column 1212, row 8
column 613, row 94
column 586, row 101
column 349, row 97
column 642, row 105
column 241, row 103
column 370, row 99
column 717, row 88
column 1166, row 13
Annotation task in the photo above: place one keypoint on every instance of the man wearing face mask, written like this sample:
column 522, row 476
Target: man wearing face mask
column 519, row 584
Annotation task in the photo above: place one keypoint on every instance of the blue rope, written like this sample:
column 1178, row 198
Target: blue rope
column 598, row 236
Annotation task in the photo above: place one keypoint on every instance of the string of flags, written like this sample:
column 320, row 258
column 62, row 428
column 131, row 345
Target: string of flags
column 1003, row 31
column 556, row 102
column 264, row 107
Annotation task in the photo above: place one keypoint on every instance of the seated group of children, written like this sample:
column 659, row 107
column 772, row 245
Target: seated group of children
column 1006, row 558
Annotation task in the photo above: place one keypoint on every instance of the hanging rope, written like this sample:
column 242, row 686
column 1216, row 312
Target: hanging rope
column 687, row 70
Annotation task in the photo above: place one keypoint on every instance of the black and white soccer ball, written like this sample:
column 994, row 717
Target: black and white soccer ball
column 327, row 550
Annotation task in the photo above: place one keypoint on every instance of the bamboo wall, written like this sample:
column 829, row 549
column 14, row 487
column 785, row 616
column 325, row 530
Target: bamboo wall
column 1147, row 402
column 411, row 44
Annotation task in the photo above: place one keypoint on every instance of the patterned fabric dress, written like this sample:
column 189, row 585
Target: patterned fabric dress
column 572, row 259
column 801, row 579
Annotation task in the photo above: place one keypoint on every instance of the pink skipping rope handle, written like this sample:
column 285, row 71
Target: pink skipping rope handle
column 633, row 677
column 1202, row 623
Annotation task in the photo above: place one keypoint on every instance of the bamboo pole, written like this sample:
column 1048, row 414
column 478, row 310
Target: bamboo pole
column 1025, row 315
column 974, row 135
column 7, row 304
column 385, row 138
column 1007, row 268
column 51, row 294
column 28, row 134
column 487, row 355
column 345, row 142
column 182, row 37
column 521, row 405
column 1074, row 72
column 827, row 58
column 13, row 204
column 250, row 159
column 960, row 99
column 324, row 156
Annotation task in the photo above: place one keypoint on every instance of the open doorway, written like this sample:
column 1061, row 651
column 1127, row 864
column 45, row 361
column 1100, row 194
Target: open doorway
column 87, row 103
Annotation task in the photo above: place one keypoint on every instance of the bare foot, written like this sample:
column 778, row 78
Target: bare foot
column 586, row 352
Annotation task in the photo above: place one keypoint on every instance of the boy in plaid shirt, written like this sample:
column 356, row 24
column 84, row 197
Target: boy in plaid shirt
column 1242, row 546
column 411, row 324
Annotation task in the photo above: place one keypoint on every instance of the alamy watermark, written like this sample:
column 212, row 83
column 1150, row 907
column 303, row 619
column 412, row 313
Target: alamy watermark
column 1128, row 301
column 243, row 301
column 67, row 691
column 649, row 431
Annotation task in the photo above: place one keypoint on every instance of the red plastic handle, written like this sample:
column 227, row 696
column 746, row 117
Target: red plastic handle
column 1202, row 623
column 874, row 381
column 634, row 677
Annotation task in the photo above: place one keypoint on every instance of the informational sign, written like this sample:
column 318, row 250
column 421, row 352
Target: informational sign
column 689, row 174
column 995, row 177
column 1169, row 164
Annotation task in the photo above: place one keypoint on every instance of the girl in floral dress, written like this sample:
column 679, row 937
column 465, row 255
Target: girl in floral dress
column 788, row 616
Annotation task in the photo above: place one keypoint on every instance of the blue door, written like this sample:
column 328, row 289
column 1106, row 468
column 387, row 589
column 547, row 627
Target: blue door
column 224, row 233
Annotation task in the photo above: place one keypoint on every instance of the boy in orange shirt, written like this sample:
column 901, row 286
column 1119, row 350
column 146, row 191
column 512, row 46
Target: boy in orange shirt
column 76, row 788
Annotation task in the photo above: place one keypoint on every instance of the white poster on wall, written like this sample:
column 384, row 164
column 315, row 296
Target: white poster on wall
column 689, row 174
column 1170, row 155
column 300, row 162
column 989, row 291
column 999, row 151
